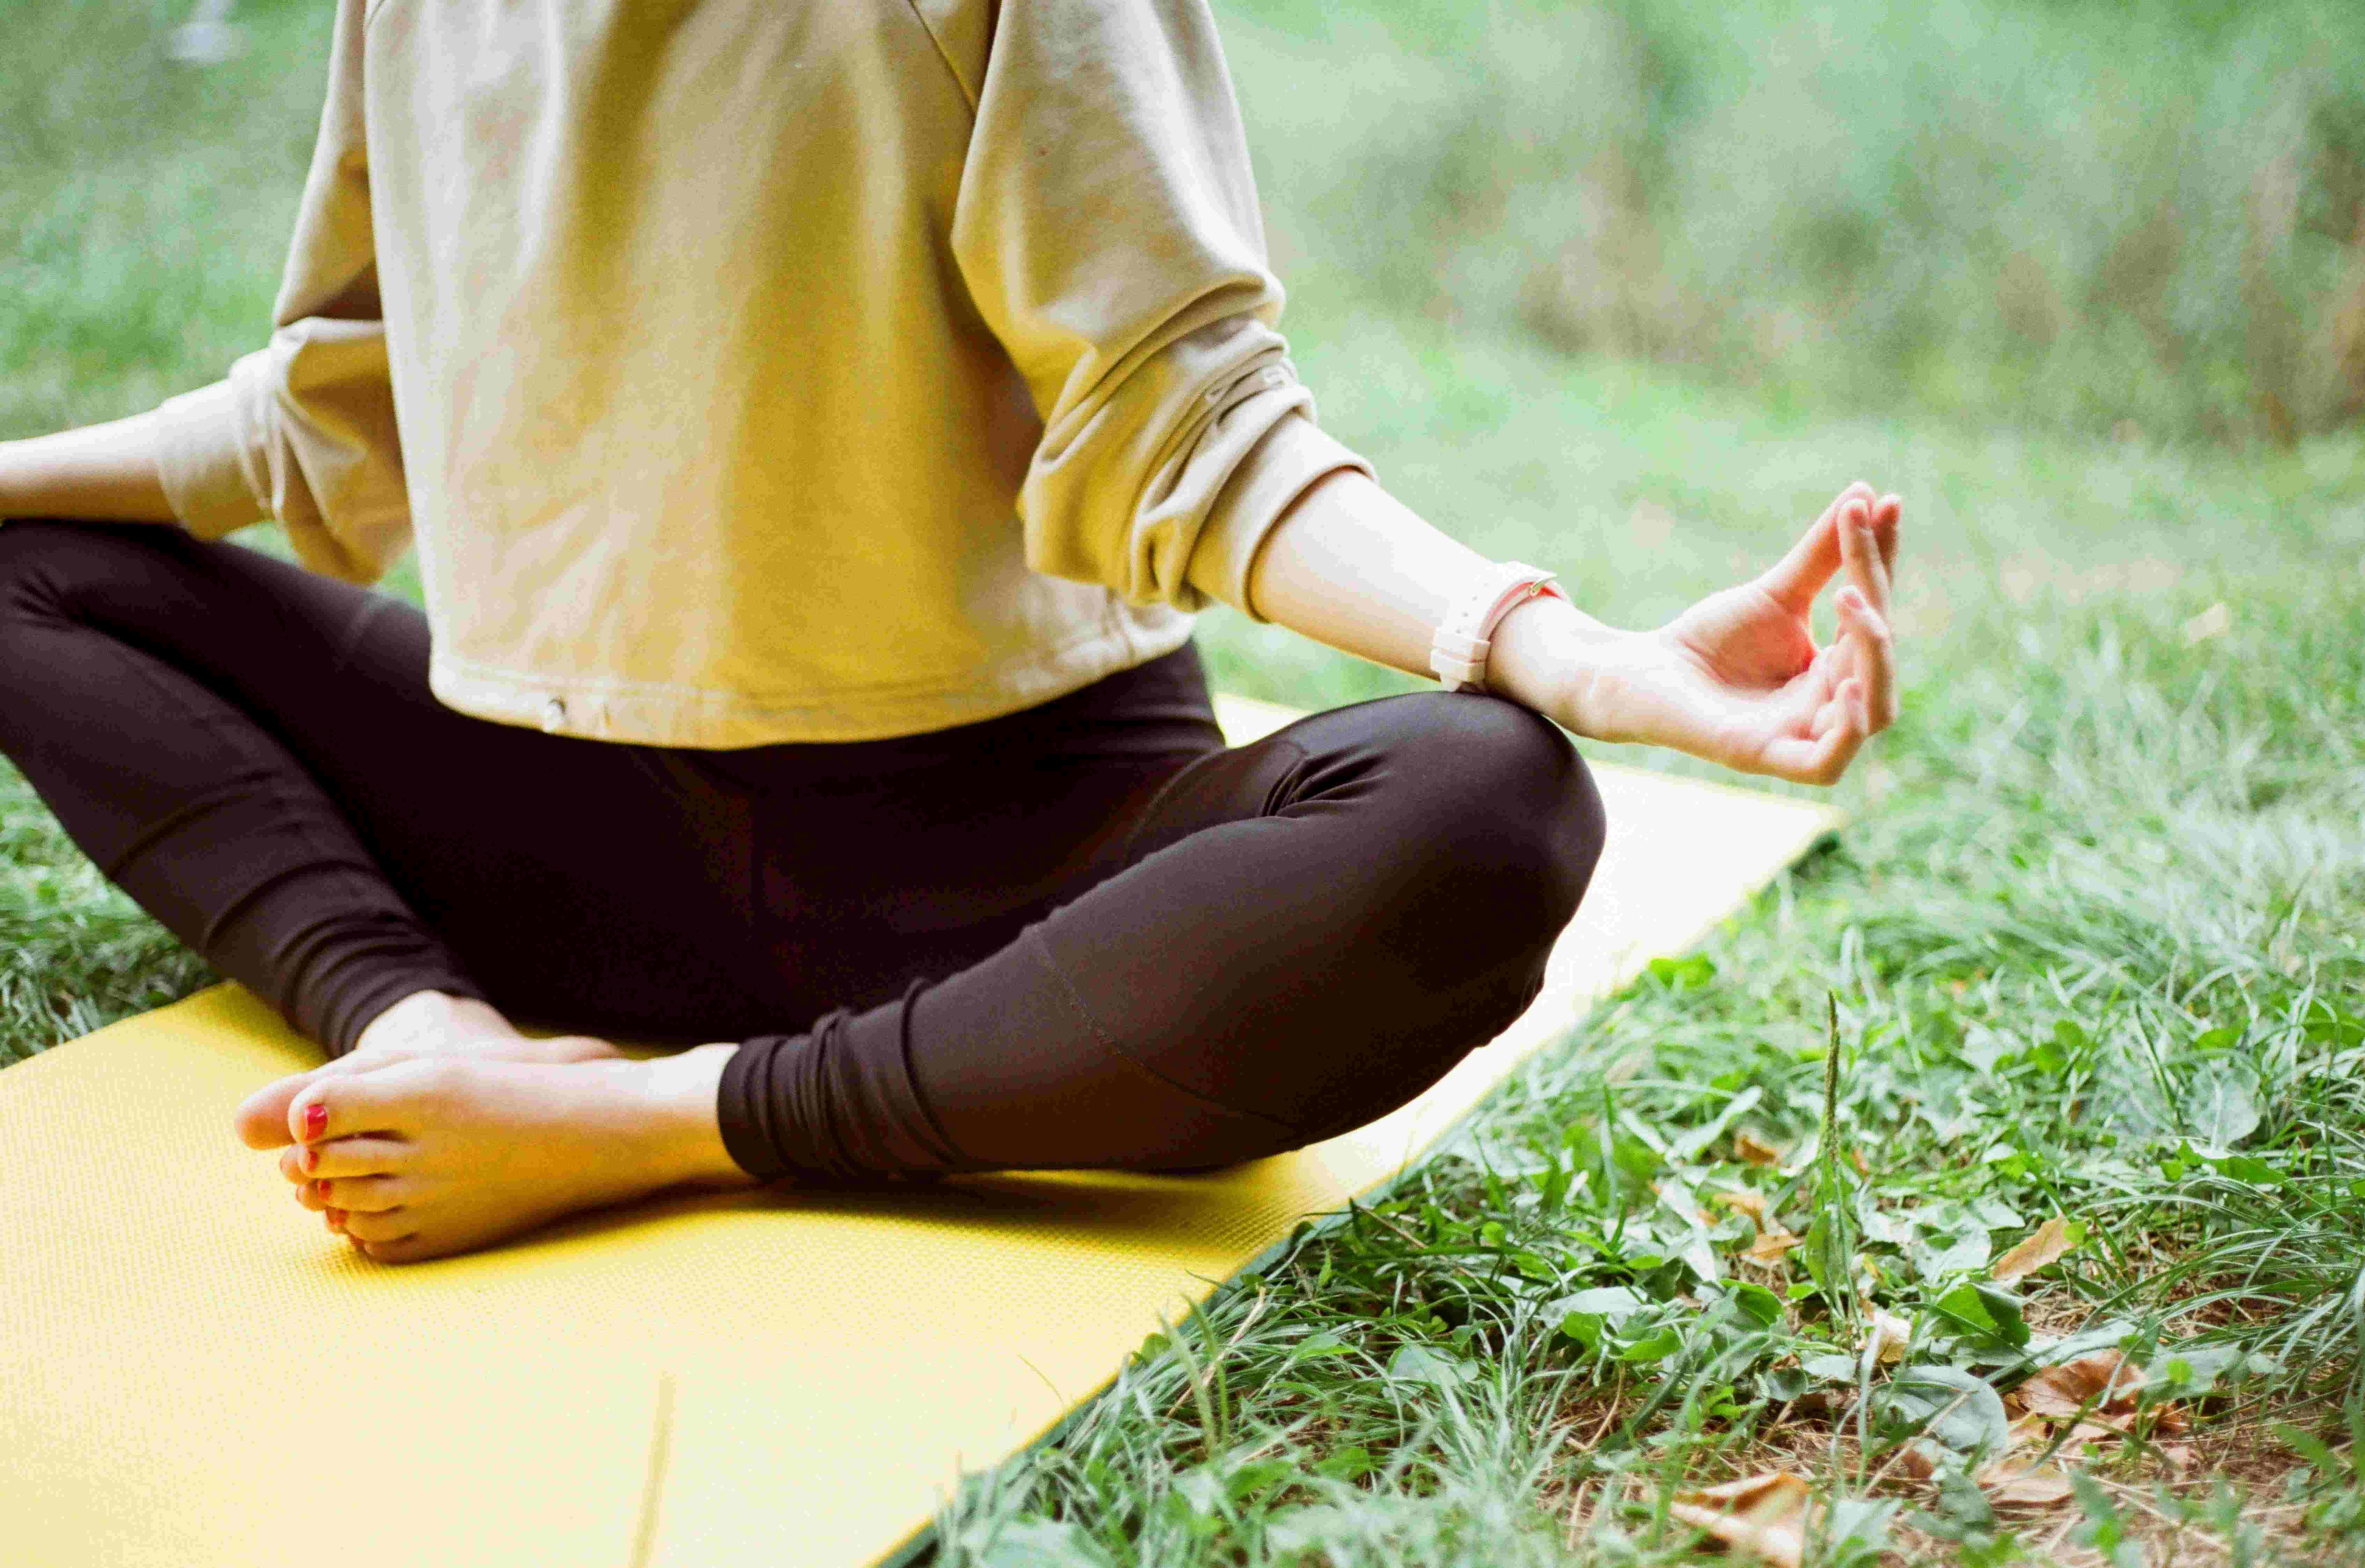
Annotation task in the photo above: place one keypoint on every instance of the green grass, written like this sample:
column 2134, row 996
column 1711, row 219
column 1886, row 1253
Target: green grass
column 2092, row 938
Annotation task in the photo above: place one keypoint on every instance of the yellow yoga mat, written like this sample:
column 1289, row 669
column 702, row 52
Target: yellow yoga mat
column 194, row 1373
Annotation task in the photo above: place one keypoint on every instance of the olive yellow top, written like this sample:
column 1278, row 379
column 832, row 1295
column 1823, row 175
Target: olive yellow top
column 771, row 370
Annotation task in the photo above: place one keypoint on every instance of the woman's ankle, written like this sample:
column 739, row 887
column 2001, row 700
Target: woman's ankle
column 683, row 1090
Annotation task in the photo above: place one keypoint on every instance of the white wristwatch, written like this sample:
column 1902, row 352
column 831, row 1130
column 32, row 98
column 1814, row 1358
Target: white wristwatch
column 1458, row 652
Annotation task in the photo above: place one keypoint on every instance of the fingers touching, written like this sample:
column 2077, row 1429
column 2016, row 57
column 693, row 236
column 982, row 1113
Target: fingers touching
column 1823, row 550
column 1885, row 515
column 1872, row 656
column 1852, row 695
column 1798, row 577
column 1860, row 555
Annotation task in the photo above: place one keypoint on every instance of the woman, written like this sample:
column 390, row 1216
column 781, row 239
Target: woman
column 818, row 423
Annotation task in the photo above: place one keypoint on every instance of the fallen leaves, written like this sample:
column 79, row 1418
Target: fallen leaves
column 2024, row 1487
column 1890, row 1335
column 2052, row 1241
column 2096, row 1398
column 1743, row 1199
column 2103, row 1389
column 1766, row 1516
column 1774, row 1240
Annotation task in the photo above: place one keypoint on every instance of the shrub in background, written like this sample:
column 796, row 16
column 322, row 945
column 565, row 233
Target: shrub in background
column 2081, row 214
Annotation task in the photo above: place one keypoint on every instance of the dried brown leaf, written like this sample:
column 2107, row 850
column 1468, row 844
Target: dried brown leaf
column 1890, row 1334
column 2091, row 1430
column 2047, row 1246
column 1912, row 1462
column 2105, row 1377
column 1755, row 1151
column 1770, row 1247
column 1746, row 1202
column 2026, row 1430
column 1766, row 1516
column 2114, row 1385
column 2024, row 1486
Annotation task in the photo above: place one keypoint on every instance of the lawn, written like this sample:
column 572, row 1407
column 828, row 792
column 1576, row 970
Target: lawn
column 2084, row 971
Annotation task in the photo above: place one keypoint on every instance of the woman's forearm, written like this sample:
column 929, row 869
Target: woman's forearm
column 1351, row 566
column 102, row 472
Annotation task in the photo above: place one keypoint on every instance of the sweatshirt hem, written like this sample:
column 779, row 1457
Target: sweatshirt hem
column 709, row 719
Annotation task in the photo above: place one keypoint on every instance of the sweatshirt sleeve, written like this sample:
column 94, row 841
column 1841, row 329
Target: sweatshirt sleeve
column 1108, row 229
column 303, row 429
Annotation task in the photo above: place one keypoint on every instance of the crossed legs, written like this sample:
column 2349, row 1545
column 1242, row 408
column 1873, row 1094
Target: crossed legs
column 1002, row 946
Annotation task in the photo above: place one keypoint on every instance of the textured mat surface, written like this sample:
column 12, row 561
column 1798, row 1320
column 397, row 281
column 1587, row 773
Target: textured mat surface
column 194, row 1373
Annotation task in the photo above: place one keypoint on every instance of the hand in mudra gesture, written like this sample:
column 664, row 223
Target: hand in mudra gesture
column 1738, row 678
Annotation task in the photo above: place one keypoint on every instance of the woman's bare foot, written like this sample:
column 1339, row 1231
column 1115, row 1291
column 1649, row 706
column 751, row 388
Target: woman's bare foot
column 438, row 1154
column 424, row 1024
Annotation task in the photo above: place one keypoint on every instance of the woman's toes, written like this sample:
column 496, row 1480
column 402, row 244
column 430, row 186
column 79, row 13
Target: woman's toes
column 357, row 1156
column 407, row 1250
column 481, row 1150
column 391, row 1225
column 362, row 1194
column 262, row 1118
column 378, row 1101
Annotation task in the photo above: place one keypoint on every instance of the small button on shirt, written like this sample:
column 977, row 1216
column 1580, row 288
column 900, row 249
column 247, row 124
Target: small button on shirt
column 771, row 370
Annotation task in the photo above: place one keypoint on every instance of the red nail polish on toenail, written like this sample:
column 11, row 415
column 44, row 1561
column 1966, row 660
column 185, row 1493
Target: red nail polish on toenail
column 311, row 1159
column 337, row 1219
column 316, row 1119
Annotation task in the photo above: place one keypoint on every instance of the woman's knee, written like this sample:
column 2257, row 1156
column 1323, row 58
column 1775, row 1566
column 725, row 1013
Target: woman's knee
column 1480, row 833
column 1503, row 817
column 32, row 595
column 25, row 545
column 41, row 558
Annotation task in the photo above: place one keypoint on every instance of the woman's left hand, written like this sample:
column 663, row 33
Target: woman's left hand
column 1738, row 678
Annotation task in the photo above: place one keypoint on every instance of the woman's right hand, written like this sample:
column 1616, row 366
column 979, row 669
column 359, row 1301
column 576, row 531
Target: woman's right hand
column 1738, row 679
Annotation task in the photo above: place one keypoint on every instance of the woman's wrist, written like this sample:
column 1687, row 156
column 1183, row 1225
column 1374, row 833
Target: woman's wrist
column 100, row 472
column 1549, row 655
column 14, row 497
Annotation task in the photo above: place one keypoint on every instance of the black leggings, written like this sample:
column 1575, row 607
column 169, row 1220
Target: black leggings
column 1083, row 935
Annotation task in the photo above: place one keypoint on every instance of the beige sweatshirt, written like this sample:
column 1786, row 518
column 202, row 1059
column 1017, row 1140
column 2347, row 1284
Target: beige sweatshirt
column 771, row 370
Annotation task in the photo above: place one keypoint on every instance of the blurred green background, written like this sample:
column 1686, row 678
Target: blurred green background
column 2088, row 215
column 2140, row 216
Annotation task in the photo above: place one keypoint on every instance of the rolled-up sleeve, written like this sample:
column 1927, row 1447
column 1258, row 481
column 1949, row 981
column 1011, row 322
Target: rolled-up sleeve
column 303, row 429
column 1107, row 228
